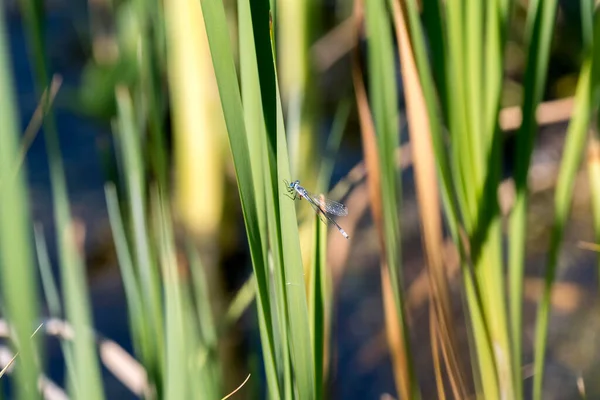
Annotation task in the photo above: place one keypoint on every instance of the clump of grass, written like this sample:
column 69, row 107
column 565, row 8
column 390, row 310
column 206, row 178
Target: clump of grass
column 453, row 95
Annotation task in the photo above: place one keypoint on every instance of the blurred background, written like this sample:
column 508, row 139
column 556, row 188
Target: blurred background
column 137, row 121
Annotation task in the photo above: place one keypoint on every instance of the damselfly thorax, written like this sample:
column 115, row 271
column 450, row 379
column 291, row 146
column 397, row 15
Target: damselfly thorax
column 321, row 205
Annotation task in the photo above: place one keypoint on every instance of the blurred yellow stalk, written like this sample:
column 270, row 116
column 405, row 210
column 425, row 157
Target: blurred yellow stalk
column 198, row 122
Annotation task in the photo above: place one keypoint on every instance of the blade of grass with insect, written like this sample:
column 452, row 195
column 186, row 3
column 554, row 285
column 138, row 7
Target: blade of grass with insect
column 384, row 103
column 222, row 57
column 129, row 155
column 19, row 288
column 259, row 95
column 571, row 159
column 291, row 302
column 289, row 274
column 301, row 350
column 540, row 27
column 261, row 173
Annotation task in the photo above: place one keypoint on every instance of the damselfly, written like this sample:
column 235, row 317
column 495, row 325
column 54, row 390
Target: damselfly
column 322, row 206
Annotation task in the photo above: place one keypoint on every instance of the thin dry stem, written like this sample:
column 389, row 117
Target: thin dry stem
column 238, row 388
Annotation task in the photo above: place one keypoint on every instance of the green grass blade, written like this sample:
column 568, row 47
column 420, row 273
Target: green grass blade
column 593, row 160
column 147, row 270
column 149, row 17
column 257, row 144
column 384, row 103
column 222, row 56
column 297, row 308
column 208, row 331
column 19, row 288
column 320, row 307
column 535, row 79
column 48, row 283
column 340, row 120
column 133, row 296
column 265, row 66
column 574, row 144
column 205, row 338
column 53, row 299
column 176, row 384
column 443, row 167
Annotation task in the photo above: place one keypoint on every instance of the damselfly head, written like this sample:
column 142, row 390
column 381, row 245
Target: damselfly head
column 294, row 184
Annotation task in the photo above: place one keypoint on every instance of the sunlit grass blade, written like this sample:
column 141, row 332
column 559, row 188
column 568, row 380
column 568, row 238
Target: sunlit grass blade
column 470, row 177
column 19, row 288
column 261, row 145
column 296, row 302
column 540, row 27
column 593, row 157
column 242, row 300
column 289, row 274
column 223, row 63
column 256, row 130
column 574, row 144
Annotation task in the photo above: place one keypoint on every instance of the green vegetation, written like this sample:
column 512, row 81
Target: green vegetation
column 214, row 66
